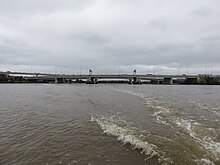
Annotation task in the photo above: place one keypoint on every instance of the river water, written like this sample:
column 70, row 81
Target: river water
column 100, row 124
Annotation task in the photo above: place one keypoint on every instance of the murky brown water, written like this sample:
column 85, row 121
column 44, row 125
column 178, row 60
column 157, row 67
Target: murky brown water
column 109, row 124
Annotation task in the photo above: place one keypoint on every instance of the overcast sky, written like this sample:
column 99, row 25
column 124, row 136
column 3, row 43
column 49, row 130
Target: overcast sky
column 110, row 36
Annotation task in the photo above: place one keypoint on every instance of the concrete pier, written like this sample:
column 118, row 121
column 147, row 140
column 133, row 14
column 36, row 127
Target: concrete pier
column 136, row 80
column 168, row 80
column 60, row 80
column 91, row 80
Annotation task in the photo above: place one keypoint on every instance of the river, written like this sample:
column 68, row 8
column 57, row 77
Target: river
column 109, row 124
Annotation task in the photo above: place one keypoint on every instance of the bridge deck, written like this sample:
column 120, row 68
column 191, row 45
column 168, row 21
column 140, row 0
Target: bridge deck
column 98, row 76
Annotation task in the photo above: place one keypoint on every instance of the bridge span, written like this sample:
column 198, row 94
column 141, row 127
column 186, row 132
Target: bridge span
column 95, row 78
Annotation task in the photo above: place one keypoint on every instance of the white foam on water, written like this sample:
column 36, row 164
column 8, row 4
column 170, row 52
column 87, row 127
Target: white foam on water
column 159, row 116
column 129, row 135
column 208, row 107
column 213, row 146
column 186, row 124
column 217, row 113
column 126, row 136
column 206, row 141
column 166, row 115
column 160, row 110
column 204, row 162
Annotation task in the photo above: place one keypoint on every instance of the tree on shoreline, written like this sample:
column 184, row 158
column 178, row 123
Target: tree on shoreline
column 207, row 80
column 11, row 79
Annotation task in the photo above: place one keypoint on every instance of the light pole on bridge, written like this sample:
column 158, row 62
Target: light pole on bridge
column 90, row 72
column 134, row 72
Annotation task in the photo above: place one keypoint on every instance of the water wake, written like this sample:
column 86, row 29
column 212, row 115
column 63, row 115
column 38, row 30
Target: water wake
column 210, row 108
column 172, row 116
column 129, row 135
column 206, row 141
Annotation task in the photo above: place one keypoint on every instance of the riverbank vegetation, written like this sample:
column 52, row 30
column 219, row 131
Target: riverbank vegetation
column 207, row 80
column 11, row 79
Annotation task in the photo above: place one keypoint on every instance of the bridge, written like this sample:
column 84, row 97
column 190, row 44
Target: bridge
column 95, row 78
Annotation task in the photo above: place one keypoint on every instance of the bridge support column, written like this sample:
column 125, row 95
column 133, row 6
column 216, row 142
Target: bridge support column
column 136, row 80
column 168, row 80
column 68, row 81
column 129, row 81
column 91, row 80
column 6, row 76
column 59, row 80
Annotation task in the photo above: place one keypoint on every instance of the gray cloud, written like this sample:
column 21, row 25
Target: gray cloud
column 109, row 34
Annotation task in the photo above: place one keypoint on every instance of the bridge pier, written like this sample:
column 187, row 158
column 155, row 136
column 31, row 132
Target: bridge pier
column 159, row 82
column 68, row 81
column 168, row 80
column 129, row 81
column 136, row 80
column 91, row 80
column 60, row 80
